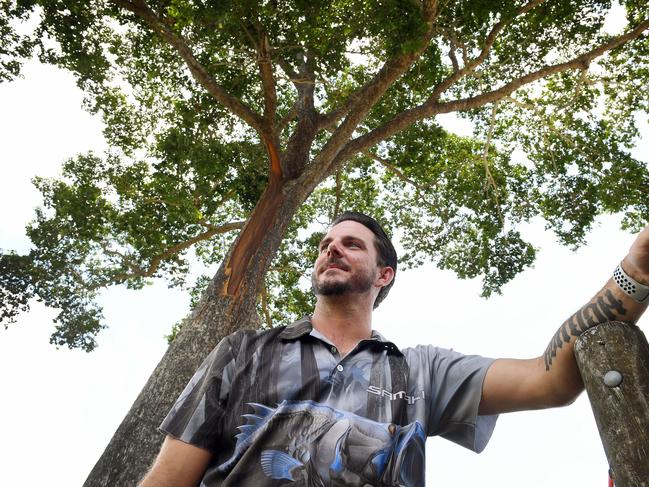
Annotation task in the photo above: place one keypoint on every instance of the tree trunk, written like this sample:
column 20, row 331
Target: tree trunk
column 227, row 305
column 614, row 362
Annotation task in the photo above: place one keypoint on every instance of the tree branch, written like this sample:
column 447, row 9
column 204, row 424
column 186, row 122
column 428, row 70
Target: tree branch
column 362, row 100
column 198, row 71
column 469, row 67
column 453, row 57
column 290, row 73
column 137, row 271
column 327, row 120
column 432, row 107
column 369, row 93
column 299, row 145
column 267, row 80
column 269, row 135
column 286, row 119
column 455, row 44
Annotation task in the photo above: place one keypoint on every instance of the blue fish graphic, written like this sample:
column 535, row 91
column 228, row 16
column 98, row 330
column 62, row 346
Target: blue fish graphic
column 318, row 445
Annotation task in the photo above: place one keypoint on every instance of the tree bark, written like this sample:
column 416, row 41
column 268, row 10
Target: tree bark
column 621, row 410
column 227, row 305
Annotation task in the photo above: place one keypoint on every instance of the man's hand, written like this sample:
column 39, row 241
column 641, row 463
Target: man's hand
column 553, row 379
column 636, row 263
column 178, row 464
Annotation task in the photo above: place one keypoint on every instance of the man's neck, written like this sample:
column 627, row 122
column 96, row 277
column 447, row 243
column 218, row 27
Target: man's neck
column 343, row 321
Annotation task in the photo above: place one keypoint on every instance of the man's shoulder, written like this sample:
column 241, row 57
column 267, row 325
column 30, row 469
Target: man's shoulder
column 247, row 337
column 442, row 358
column 430, row 352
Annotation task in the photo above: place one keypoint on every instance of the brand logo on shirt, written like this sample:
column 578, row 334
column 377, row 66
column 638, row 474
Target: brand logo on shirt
column 396, row 395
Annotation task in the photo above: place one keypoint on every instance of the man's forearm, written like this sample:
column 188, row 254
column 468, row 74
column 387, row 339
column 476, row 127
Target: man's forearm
column 607, row 305
column 178, row 464
column 611, row 303
column 553, row 379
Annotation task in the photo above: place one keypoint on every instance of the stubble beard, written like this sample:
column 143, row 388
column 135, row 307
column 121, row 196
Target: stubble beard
column 358, row 283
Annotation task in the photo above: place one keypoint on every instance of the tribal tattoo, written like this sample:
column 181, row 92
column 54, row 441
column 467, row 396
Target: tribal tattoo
column 603, row 307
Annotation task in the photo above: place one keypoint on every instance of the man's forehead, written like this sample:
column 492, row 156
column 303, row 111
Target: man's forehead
column 350, row 228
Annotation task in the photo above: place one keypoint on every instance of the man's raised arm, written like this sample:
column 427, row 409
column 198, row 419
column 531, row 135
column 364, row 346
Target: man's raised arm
column 553, row 379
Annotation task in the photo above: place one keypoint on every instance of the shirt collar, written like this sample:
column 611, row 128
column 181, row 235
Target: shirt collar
column 304, row 327
column 297, row 329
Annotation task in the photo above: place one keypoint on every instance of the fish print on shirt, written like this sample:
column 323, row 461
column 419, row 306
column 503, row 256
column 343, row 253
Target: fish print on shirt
column 313, row 444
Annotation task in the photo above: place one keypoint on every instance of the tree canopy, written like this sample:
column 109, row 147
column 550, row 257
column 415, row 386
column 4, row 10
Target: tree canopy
column 204, row 101
column 238, row 128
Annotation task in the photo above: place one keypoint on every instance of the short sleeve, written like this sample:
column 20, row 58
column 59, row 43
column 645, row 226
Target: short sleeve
column 198, row 414
column 456, row 390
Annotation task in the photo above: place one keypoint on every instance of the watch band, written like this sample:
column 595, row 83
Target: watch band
column 639, row 292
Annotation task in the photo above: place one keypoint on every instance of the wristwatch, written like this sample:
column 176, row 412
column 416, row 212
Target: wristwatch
column 639, row 292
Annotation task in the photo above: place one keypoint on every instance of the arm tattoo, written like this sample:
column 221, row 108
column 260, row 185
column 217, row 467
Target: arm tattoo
column 603, row 307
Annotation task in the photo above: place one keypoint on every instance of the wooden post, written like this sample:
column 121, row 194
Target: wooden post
column 614, row 362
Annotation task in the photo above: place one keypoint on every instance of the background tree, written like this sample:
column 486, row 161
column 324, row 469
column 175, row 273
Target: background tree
column 266, row 117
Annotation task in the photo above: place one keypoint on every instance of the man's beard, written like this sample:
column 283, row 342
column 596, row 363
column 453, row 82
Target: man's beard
column 360, row 282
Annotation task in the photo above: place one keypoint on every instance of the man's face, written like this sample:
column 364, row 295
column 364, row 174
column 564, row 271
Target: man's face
column 346, row 261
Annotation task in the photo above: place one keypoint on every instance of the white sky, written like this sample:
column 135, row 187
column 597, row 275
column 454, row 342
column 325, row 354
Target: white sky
column 60, row 407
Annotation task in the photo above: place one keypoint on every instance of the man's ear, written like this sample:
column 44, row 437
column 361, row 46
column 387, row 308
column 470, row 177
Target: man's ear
column 385, row 276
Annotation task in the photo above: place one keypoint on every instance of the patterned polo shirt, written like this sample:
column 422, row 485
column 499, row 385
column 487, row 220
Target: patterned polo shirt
column 281, row 407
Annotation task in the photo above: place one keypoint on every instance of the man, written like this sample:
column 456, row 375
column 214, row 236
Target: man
column 328, row 401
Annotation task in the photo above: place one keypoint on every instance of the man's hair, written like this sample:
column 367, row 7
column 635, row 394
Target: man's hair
column 386, row 255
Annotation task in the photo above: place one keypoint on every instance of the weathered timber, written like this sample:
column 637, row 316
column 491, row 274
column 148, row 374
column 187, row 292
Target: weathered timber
column 621, row 410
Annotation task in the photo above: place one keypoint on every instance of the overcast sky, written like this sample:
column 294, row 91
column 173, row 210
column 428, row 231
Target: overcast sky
column 60, row 407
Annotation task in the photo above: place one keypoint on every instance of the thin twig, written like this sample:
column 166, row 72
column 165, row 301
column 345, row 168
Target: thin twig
column 338, row 194
column 399, row 174
column 553, row 130
column 264, row 306
column 485, row 160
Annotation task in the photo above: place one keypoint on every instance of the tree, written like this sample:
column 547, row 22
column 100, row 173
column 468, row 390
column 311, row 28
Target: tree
column 265, row 117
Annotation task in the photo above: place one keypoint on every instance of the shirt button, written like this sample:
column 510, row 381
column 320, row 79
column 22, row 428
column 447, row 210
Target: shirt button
column 339, row 368
column 333, row 350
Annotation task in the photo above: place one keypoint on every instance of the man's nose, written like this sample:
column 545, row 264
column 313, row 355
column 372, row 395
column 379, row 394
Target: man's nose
column 333, row 249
